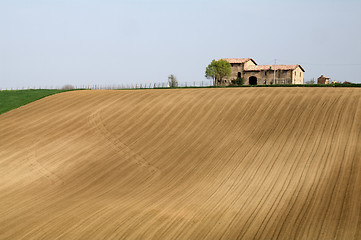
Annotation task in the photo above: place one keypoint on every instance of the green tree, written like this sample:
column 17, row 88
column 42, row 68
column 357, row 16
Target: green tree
column 211, row 71
column 217, row 70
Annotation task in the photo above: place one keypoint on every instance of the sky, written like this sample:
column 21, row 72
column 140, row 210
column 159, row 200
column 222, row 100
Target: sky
column 49, row 43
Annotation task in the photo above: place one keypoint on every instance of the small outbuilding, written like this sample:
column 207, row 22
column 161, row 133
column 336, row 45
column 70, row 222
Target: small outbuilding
column 323, row 80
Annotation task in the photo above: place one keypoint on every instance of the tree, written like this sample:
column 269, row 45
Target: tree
column 211, row 71
column 172, row 81
column 312, row 81
column 217, row 70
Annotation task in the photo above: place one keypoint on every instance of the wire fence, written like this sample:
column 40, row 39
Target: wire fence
column 193, row 84
column 117, row 86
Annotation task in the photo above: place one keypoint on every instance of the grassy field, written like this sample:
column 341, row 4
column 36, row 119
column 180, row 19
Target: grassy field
column 218, row 163
column 11, row 99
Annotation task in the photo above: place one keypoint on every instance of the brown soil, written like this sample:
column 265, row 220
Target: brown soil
column 242, row 163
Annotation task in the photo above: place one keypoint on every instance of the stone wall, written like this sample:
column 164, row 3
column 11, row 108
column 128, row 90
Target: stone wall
column 237, row 70
column 266, row 77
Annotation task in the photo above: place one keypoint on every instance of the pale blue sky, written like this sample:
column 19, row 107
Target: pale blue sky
column 52, row 43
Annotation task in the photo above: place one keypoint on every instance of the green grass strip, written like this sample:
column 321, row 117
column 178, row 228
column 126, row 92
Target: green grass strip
column 11, row 99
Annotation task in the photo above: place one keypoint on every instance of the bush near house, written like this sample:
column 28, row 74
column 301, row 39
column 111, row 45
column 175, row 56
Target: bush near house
column 238, row 82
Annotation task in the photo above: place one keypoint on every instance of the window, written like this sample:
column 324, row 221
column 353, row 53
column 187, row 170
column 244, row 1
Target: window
column 239, row 75
column 265, row 73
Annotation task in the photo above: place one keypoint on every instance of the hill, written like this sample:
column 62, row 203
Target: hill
column 234, row 163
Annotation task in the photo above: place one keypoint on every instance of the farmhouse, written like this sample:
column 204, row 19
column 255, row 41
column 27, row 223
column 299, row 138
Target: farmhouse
column 253, row 74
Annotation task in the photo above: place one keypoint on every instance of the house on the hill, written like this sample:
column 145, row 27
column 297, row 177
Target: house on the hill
column 253, row 74
column 323, row 80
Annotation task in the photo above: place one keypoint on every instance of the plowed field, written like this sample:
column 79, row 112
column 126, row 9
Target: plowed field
column 235, row 163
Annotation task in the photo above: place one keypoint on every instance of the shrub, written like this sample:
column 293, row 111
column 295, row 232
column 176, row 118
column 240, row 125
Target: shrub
column 67, row 87
column 238, row 82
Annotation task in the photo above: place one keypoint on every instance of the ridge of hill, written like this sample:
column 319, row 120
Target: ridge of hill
column 232, row 163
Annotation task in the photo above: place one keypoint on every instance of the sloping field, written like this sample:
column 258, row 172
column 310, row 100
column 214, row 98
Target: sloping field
column 242, row 163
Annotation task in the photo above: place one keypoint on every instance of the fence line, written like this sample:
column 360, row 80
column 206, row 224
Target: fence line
column 116, row 86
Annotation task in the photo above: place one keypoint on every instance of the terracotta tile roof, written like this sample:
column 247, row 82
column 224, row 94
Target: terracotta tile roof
column 324, row 77
column 261, row 67
column 272, row 67
column 237, row 60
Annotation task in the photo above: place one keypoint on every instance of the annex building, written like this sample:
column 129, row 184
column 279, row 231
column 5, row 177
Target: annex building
column 253, row 74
